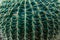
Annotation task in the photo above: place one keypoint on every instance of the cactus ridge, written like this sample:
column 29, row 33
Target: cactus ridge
column 30, row 19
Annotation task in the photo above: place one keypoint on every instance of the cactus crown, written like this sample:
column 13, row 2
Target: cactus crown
column 30, row 19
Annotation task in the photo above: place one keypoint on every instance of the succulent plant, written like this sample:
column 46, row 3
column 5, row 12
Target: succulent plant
column 30, row 19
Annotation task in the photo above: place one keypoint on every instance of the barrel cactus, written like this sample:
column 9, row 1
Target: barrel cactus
column 29, row 19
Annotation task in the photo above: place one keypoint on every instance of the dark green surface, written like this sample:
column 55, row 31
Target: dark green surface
column 41, row 22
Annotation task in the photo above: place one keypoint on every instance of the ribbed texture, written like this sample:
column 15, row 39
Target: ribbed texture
column 30, row 19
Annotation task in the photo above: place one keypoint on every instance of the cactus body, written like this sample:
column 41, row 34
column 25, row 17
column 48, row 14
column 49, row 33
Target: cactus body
column 30, row 19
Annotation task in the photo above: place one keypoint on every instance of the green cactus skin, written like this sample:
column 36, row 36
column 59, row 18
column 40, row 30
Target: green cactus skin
column 30, row 19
